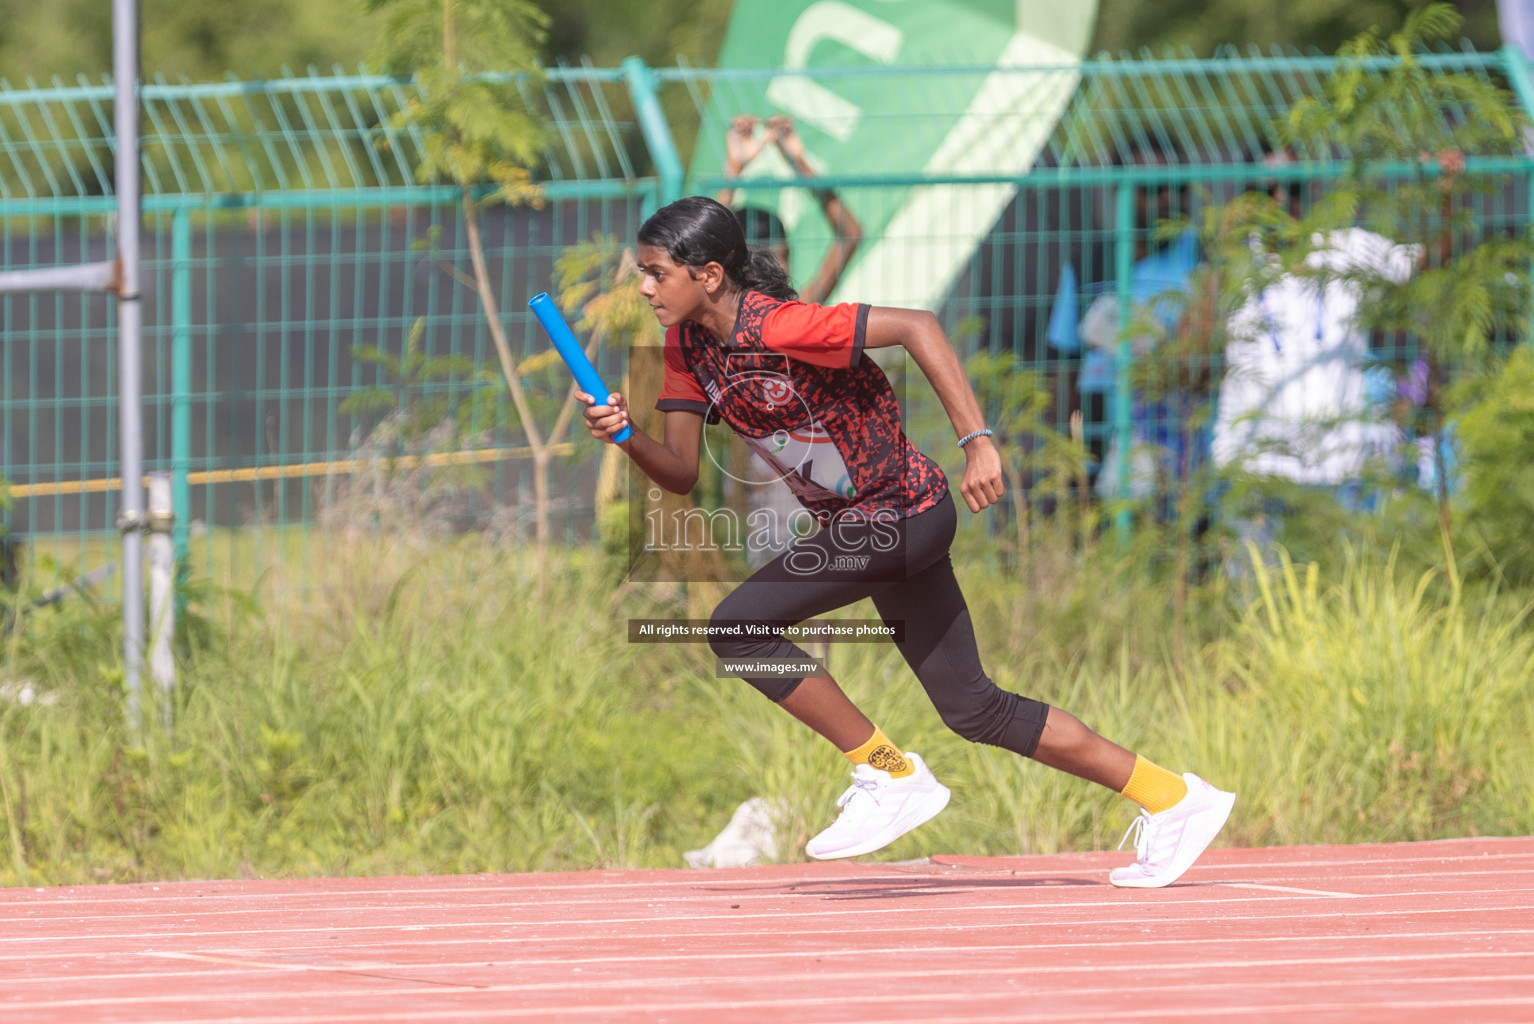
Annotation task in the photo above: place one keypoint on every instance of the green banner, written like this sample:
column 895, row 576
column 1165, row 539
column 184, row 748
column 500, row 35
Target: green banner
column 943, row 124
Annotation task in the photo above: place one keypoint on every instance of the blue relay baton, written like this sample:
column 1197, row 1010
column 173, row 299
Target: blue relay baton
column 571, row 352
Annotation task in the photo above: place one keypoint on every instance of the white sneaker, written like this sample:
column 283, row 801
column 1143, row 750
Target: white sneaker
column 878, row 809
column 1168, row 843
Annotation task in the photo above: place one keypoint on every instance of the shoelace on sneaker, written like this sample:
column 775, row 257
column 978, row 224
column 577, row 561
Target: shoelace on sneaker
column 870, row 786
column 1138, row 829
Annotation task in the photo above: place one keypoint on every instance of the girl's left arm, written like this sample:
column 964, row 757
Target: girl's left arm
column 922, row 336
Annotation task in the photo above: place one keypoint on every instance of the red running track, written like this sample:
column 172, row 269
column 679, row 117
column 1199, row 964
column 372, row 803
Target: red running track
column 1425, row 932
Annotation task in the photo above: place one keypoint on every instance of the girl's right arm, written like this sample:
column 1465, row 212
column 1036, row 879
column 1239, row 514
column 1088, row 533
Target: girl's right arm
column 672, row 463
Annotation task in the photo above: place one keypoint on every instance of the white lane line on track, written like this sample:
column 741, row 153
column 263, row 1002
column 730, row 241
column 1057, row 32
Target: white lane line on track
column 631, row 986
column 255, row 968
column 809, row 893
column 694, row 911
column 415, row 942
column 1380, row 872
column 690, row 879
column 82, row 945
column 713, row 954
column 725, row 1008
column 1288, row 888
column 1019, row 866
column 1294, row 1010
column 700, row 902
column 267, row 965
column 803, row 889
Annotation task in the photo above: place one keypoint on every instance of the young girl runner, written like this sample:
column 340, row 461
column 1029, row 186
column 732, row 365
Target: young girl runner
column 793, row 380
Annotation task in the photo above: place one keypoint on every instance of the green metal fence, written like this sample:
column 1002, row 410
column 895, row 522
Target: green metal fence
column 285, row 230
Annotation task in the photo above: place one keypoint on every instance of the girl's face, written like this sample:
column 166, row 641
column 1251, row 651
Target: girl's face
column 675, row 292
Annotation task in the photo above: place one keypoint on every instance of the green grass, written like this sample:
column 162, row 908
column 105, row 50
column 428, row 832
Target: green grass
column 440, row 709
column 275, row 556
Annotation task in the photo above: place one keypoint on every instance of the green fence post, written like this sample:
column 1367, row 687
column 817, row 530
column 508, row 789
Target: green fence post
column 181, row 378
column 657, row 133
column 1123, row 246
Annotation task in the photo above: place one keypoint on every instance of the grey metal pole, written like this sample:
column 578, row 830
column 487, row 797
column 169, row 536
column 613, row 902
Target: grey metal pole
column 125, row 71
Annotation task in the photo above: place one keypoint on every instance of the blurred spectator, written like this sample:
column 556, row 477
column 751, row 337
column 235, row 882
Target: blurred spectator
column 1168, row 440
column 762, row 226
column 1429, row 453
column 1303, row 399
column 763, row 229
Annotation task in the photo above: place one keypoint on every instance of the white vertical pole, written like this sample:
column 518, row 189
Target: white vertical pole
column 125, row 72
column 162, row 593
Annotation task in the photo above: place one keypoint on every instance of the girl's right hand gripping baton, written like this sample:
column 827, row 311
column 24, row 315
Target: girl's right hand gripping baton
column 571, row 352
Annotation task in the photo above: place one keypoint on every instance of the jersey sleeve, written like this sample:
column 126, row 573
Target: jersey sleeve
column 830, row 336
column 679, row 391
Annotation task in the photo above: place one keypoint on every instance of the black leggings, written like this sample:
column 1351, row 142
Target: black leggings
column 904, row 567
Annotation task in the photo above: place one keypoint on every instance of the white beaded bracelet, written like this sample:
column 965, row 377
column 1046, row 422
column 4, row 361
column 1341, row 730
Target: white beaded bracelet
column 967, row 438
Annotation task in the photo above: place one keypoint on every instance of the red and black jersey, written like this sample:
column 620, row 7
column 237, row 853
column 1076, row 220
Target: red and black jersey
column 797, row 387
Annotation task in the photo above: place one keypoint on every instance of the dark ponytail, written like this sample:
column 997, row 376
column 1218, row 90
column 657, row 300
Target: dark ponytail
column 696, row 231
column 763, row 273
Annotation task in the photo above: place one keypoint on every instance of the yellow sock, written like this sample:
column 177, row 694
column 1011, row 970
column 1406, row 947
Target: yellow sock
column 880, row 753
column 1153, row 787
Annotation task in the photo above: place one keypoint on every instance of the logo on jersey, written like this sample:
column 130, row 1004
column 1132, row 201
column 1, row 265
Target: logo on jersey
column 778, row 391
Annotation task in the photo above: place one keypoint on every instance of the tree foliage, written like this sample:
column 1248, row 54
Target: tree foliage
column 1496, row 439
column 256, row 39
column 1203, row 25
column 475, row 126
column 1407, row 118
column 201, row 41
column 1472, row 287
column 419, row 417
column 411, row 392
column 1405, row 135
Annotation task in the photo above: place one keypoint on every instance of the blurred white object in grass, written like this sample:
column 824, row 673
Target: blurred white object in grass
column 750, row 838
